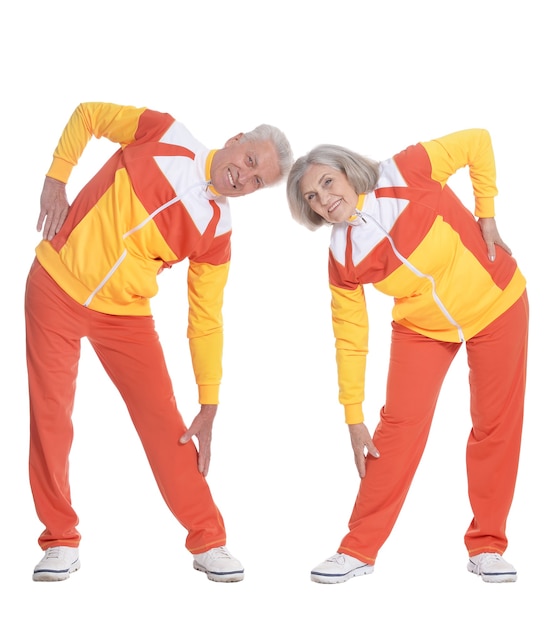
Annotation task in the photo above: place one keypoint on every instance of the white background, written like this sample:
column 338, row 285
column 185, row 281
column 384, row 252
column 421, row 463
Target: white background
column 376, row 78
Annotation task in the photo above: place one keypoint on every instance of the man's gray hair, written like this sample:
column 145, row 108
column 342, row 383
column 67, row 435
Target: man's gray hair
column 265, row 132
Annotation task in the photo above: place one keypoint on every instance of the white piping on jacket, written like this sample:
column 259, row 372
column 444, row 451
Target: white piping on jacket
column 131, row 232
column 417, row 272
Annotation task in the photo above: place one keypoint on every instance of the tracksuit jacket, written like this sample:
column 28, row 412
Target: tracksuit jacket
column 150, row 206
column 413, row 239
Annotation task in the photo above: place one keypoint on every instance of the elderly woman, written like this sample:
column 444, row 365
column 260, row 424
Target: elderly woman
column 398, row 226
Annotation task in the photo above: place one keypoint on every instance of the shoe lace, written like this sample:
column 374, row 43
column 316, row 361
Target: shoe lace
column 52, row 553
column 336, row 558
column 491, row 557
column 486, row 560
column 220, row 553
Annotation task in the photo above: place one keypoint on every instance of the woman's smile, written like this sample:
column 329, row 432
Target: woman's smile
column 329, row 193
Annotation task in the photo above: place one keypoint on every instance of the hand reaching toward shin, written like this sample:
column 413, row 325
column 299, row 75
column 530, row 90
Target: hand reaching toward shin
column 362, row 444
column 201, row 428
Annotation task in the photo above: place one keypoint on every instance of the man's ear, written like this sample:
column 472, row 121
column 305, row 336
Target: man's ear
column 233, row 140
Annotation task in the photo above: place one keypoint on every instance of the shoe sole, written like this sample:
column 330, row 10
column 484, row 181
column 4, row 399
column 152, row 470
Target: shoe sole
column 52, row 576
column 329, row 579
column 218, row 577
column 503, row 577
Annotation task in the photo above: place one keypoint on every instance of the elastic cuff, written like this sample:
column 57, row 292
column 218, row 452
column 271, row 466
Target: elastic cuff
column 208, row 394
column 354, row 414
column 60, row 170
column 484, row 207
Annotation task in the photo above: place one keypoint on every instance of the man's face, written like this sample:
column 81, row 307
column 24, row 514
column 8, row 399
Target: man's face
column 243, row 167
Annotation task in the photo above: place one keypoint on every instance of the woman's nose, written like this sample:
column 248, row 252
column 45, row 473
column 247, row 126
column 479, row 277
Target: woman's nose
column 323, row 197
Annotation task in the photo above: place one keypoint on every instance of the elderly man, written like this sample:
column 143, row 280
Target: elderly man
column 160, row 199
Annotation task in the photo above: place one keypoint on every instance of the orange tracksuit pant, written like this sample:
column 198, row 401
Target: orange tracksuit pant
column 130, row 351
column 497, row 359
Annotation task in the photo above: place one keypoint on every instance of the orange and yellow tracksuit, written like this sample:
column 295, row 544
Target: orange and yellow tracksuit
column 413, row 239
column 151, row 205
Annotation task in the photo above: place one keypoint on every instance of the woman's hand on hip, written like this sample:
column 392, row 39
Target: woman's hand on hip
column 491, row 236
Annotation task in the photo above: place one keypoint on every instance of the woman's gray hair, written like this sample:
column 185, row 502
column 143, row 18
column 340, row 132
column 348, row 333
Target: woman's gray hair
column 361, row 172
column 265, row 132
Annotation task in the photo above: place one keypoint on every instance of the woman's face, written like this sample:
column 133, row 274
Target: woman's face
column 328, row 193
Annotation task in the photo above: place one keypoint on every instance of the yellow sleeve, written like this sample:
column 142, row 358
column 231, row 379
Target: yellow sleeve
column 350, row 327
column 472, row 148
column 206, row 284
column 115, row 122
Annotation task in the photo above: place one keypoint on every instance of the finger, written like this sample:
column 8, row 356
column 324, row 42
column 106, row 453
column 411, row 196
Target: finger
column 60, row 221
column 40, row 222
column 56, row 227
column 373, row 450
column 203, row 463
column 51, row 227
column 46, row 227
column 491, row 251
column 361, row 466
column 505, row 247
column 185, row 437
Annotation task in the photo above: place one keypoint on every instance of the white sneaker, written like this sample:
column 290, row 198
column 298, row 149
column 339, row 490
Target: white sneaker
column 57, row 564
column 339, row 568
column 492, row 568
column 219, row 565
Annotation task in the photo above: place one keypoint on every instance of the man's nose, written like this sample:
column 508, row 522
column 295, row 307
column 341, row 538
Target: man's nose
column 243, row 176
